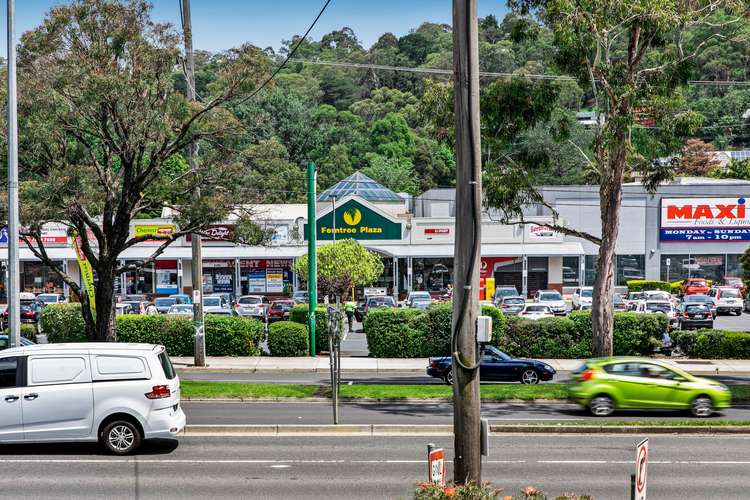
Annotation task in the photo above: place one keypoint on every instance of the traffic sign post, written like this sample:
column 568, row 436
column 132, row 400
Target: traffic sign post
column 638, row 481
column 435, row 465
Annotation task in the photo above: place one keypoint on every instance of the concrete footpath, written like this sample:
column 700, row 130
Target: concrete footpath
column 264, row 364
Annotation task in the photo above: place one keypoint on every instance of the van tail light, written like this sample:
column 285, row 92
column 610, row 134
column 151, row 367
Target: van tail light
column 587, row 375
column 159, row 392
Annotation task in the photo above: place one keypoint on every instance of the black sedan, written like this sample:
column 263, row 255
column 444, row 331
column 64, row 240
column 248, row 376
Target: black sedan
column 695, row 316
column 496, row 366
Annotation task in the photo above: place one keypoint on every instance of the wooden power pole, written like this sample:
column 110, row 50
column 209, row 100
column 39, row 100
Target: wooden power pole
column 466, row 411
column 197, row 264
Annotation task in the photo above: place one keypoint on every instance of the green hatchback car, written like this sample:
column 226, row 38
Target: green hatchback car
column 608, row 384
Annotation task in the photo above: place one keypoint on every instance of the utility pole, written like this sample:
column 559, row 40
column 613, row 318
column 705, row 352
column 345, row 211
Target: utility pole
column 312, row 272
column 466, row 411
column 197, row 265
column 14, row 304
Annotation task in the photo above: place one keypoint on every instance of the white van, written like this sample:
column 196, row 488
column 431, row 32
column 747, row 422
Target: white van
column 117, row 394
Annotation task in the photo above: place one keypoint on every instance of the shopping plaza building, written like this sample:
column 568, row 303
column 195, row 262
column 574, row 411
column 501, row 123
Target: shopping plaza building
column 692, row 227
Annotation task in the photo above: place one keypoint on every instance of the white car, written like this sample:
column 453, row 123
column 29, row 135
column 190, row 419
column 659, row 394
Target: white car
column 51, row 298
column 536, row 311
column 253, row 306
column 180, row 309
column 726, row 299
column 117, row 394
column 659, row 306
column 553, row 300
column 212, row 303
column 582, row 297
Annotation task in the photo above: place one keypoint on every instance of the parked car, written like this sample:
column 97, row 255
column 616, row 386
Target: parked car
column 726, row 299
column 378, row 301
column 222, row 311
column 633, row 298
column 659, row 307
column 182, row 298
column 553, row 300
column 511, row 305
column 138, row 306
column 117, row 394
column 300, row 297
column 495, row 365
column 51, row 298
column 536, row 311
column 694, row 285
column 280, row 310
column 504, row 291
column 657, row 295
column 30, row 309
column 163, row 304
column 733, row 282
column 697, row 315
column 418, row 300
column 252, row 306
column 123, row 308
column 619, row 303
column 582, row 297
column 180, row 309
column 608, row 384
column 700, row 298
column 214, row 302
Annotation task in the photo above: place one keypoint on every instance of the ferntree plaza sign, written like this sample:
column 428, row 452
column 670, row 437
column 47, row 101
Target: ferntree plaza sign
column 356, row 221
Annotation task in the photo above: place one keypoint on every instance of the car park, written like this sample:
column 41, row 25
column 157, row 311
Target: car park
column 30, row 309
column 252, row 306
column 504, row 291
column 511, row 305
column 536, row 311
column 695, row 315
column 180, row 309
column 726, row 300
column 582, row 297
column 496, row 366
column 163, row 304
column 280, row 310
column 607, row 384
column 553, row 300
column 116, row 394
column 694, row 285
column 700, row 298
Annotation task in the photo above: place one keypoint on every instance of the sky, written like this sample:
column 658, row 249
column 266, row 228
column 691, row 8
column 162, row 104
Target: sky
column 222, row 24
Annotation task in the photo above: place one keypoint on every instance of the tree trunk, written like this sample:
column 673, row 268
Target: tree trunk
column 104, row 327
column 610, row 193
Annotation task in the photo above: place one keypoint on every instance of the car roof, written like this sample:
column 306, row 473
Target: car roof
column 82, row 346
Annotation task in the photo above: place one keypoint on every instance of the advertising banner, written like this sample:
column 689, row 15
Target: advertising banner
column 704, row 219
column 87, row 273
column 257, row 281
column 274, row 281
column 153, row 230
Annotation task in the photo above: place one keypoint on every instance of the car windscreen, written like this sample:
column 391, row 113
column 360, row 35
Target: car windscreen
column 165, row 302
column 658, row 307
column 513, row 300
column 730, row 293
column 550, row 296
column 587, row 293
column 697, row 298
column 696, row 283
column 249, row 300
column 211, row 301
column 635, row 296
column 538, row 309
column 380, row 301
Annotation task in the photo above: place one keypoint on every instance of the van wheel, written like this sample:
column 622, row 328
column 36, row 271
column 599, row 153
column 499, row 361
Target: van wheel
column 121, row 437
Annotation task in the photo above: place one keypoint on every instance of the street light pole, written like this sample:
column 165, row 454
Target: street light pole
column 197, row 264
column 312, row 276
column 14, row 305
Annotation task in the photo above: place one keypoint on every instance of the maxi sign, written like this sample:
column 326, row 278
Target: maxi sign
column 356, row 221
column 705, row 219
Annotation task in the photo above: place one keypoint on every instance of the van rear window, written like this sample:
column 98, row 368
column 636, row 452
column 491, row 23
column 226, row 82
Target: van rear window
column 166, row 365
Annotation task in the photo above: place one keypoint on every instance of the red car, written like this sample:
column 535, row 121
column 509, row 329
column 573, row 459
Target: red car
column 279, row 310
column 692, row 286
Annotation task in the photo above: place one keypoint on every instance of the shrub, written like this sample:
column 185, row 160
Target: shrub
column 675, row 287
column 485, row 491
column 225, row 336
column 714, row 344
column 498, row 323
column 298, row 314
column 437, row 326
column 397, row 333
column 28, row 331
column 640, row 285
column 287, row 338
column 548, row 338
column 63, row 323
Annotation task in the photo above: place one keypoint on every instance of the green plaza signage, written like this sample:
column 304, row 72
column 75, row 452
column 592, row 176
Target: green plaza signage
column 356, row 221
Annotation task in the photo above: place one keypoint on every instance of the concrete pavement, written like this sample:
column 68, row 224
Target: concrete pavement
column 681, row 467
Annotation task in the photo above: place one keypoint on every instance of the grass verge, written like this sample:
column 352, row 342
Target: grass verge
column 192, row 389
column 703, row 422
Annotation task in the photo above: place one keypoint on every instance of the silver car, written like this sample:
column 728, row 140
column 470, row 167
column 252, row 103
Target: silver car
column 553, row 300
column 252, row 306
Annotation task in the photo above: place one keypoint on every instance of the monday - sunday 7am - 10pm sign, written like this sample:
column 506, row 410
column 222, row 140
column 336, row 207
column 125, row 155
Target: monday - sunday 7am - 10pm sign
column 705, row 219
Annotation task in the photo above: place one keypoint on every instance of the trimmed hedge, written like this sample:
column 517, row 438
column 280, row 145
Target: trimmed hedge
column 28, row 331
column 547, row 338
column 713, row 344
column 641, row 285
column 633, row 334
column 298, row 314
column 225, row 335
column 411, row 333
column 63, row 323
column 287, row 338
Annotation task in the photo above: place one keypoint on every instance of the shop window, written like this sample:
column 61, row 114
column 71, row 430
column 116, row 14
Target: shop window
column 140, row 281
column 433, row 275
column 630, row 267
column 38, row 278
column 591, row 262
column 712, row 267
column 734, row 268
column 571, row 271
column 166, row 276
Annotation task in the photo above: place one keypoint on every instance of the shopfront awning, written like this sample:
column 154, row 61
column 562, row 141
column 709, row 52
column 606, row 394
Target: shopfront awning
column 488, row 250
column 218, row 252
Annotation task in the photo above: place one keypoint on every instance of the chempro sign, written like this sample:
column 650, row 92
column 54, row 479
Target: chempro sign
column 705, row 219
column 356, row 221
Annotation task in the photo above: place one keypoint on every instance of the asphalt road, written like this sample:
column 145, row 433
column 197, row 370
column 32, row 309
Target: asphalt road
column 225, row 413
column 681, row 467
